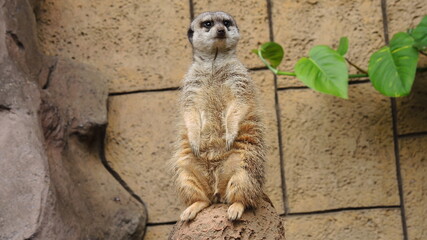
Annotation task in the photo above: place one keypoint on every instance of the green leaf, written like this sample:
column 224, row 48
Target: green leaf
column 325, row 71
column 343, row 46
column 272, row 52
column 392, row 68
column 420, row 34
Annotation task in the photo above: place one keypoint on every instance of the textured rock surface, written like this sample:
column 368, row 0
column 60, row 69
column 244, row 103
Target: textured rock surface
column 378, row 224
column 73, row 121
column 413, row 159
column 212, row 223
column 338, row 153
column 252, row 20
column 298, row 26
column 52, row 113
column 24, row 173
column 140, row 44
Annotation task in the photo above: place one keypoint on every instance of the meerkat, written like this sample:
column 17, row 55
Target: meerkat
column 220, row 153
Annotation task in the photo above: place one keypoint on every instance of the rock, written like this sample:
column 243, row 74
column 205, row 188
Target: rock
column 53, row 115
column 87, row 202
column 212, row 223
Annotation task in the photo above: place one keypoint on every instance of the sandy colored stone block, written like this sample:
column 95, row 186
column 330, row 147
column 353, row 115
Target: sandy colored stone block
column 337, row 152
column 140, row 137
column 413, row 160
column 300, row 25
column 252, row 20
column 378, row 224
column 412, row 110
column 273, row 184
column 139, row 44
column 403, row 15
column 160, row 232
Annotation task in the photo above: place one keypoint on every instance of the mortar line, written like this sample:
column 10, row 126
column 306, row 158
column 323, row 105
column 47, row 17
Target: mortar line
column 413, row 135
column 385, row 20
column 355, row 82
column 278, row 118
column 334, row 210
column 161, row 223
column 112, row 94
column 305, row 87
column 270, row 20
column 258, row 68
column 191, row 10
column 292, row 88
column 395, row 134
column 143, row 91
column 281, row 157
column 398, row 169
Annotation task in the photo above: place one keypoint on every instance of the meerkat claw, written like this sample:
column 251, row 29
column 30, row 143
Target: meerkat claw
column 235, row 211
column 230, row 140
column 196, row 149
column 191, row 212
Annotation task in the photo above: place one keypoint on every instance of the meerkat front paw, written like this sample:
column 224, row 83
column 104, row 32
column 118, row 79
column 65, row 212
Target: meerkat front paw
column 235, row 211
column 195, row 147
column 195, row 143
column 229, row 140
column 191, row 212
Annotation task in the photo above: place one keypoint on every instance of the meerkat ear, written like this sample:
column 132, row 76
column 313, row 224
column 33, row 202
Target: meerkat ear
column 190, row 35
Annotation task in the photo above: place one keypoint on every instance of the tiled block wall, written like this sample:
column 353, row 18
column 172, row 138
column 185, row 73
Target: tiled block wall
column 336, row 169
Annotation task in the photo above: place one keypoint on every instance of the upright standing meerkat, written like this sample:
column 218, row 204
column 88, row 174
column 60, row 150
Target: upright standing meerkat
column 220, row 155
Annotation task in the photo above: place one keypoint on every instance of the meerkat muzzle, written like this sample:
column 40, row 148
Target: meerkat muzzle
column 220, row 33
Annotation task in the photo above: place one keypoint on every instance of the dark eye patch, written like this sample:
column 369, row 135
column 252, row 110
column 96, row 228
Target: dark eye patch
column 190, row 34
column 227, row 23
column 207, row 24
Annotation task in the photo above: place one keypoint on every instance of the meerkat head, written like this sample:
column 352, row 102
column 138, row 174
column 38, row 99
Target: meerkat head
column 213, row 31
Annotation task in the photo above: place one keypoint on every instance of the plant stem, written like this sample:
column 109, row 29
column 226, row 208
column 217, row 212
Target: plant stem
column 358, row 75
column 357, row 67
column 285, row 73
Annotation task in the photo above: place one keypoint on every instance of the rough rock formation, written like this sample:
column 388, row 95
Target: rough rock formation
column 53, row 117
column 212, row 223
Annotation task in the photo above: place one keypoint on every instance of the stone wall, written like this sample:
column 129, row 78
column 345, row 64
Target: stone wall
column 53, row 117
column 336, row 169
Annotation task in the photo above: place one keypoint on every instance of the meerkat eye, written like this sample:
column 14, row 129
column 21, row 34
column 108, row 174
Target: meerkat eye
column 227, row 23
column 207, row 24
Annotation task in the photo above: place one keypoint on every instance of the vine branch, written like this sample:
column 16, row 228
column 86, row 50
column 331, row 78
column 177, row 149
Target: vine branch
column 357, row 67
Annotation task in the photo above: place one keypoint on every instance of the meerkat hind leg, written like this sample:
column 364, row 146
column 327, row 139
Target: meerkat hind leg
column 191, row 212
column 236, row 185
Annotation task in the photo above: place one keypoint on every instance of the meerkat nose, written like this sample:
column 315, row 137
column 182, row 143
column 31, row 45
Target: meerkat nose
column 220, row 33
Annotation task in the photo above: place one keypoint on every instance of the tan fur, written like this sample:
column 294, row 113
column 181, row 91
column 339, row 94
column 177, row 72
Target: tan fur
column 220, row 153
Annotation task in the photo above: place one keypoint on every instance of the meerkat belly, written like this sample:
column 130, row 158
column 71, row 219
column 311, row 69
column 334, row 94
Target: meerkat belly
column 212, row 134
